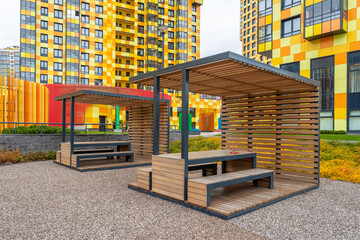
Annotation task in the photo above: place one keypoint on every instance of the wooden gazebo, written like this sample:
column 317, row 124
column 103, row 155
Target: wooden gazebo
column 270, row 136
column 85, row 156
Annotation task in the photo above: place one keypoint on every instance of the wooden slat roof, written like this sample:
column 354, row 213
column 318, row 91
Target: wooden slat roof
column 108, row 98
column 228, row 74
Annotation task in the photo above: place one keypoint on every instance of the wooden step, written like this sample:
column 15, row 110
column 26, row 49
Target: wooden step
column 86, row 151
column 199, row 188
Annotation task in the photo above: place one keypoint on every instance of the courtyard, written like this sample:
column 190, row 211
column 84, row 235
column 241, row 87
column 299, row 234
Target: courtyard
column 42, row 200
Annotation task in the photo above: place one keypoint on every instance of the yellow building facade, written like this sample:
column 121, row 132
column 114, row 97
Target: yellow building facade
column 319, row 39
column 94, row 42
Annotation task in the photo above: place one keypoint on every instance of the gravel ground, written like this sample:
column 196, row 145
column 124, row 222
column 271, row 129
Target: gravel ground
column 330, row 212
column 45, row 201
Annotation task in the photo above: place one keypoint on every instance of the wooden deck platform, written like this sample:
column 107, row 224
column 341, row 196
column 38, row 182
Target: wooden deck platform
column 231, row 201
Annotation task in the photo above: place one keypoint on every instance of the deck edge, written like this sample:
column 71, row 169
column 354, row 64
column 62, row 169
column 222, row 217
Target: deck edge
column 218, row 215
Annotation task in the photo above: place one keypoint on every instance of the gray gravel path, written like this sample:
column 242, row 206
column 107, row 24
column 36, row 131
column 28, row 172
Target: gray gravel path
column 330, row 212
column 46, row 201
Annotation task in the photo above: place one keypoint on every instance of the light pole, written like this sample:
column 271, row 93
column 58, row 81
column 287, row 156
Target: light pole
column 163, row 29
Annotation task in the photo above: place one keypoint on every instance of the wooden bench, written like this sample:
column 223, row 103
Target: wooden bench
column 199, row 188
column 96, row 156
column 86, row 151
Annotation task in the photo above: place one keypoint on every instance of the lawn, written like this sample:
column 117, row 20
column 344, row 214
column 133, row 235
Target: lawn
column 337, row 137
column 338, row 161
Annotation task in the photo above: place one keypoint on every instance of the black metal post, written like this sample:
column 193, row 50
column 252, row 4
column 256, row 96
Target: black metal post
column 163, row 50
column 156, row 116
column 72, row 118
column 63, row 120
column 185, row 128
column 168, row 127
column 185, row 115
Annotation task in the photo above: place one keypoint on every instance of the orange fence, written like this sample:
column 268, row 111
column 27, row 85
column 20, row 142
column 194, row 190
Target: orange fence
column 22, row 101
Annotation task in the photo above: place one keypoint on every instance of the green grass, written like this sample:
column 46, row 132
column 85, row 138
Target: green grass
column 97, row 132
column 337, row 137
column 334, row 137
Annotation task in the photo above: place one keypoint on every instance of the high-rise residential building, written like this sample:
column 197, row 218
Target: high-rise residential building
column 104, row 42
column 10, row 62
column 249, row 31
column 318, row 39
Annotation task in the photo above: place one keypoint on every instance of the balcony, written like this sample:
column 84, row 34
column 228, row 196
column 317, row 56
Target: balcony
column 125, row 30
column 125, row 42
column 322, row 21
column 198, row 2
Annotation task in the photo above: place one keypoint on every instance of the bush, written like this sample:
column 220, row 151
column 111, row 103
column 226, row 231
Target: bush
column 333, row 132
column 35, row 129
column 14, row 156
column 340, row 161
column 197, row 144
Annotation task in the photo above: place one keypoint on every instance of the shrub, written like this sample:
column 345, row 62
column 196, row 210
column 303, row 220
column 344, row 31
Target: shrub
column 35, row 129
column 197, row 144
column 14, row 156
column 333, row 132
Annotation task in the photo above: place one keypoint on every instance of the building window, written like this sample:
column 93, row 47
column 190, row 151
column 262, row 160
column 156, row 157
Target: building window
column 43, row 78
column 265, row 7
column 58, row 2
column 98, row 58
column 58, row 14
column 85, row 44
column 289, row 3
column 44, row 24
column 353, row 97
column 99, row 33
column 98, row 71
column 141, row 6
column 58, row 53
column 85, row 31
column 98, row 9
column 85, row 57
column 322, row 12
column 85, row 6
column 193, row 49
column 84, row 69
column 58, row 66
column 58, row 40
column 43, row 65
column 58, row 27
column 44, row 11
column 84, row 81
column 57, row 79
column 44, row 52
column 265, row 34
column 98, row 46
column 140, row 52
column 291, row 67
column 99, row 21
column 322, row 69
column 85, row 19
column 98, row 82
column 290, row 27
column 44, row 38
column 171, row 13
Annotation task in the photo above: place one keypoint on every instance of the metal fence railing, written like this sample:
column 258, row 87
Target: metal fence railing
column 80, row 128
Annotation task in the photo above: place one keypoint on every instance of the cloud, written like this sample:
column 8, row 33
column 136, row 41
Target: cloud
column 10, row 23
column 220, row 27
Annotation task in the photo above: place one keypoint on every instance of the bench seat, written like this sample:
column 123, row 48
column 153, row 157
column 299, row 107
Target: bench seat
column 199, row 188
column 86, row 151
column 96, row 156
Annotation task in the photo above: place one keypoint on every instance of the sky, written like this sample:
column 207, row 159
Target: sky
column 220, row 25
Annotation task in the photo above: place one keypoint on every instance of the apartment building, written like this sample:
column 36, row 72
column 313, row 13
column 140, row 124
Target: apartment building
column 318, row 39
column 104, row 42
column 249, row 30
column 10, row 62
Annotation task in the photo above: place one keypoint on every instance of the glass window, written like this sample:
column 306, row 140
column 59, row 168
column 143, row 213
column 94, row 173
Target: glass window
column 291, row 67
column 291, row 27
column 322, row 69
column 289, row 3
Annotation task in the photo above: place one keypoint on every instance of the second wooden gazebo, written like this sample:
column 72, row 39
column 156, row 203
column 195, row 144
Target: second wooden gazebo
column 269, row 136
